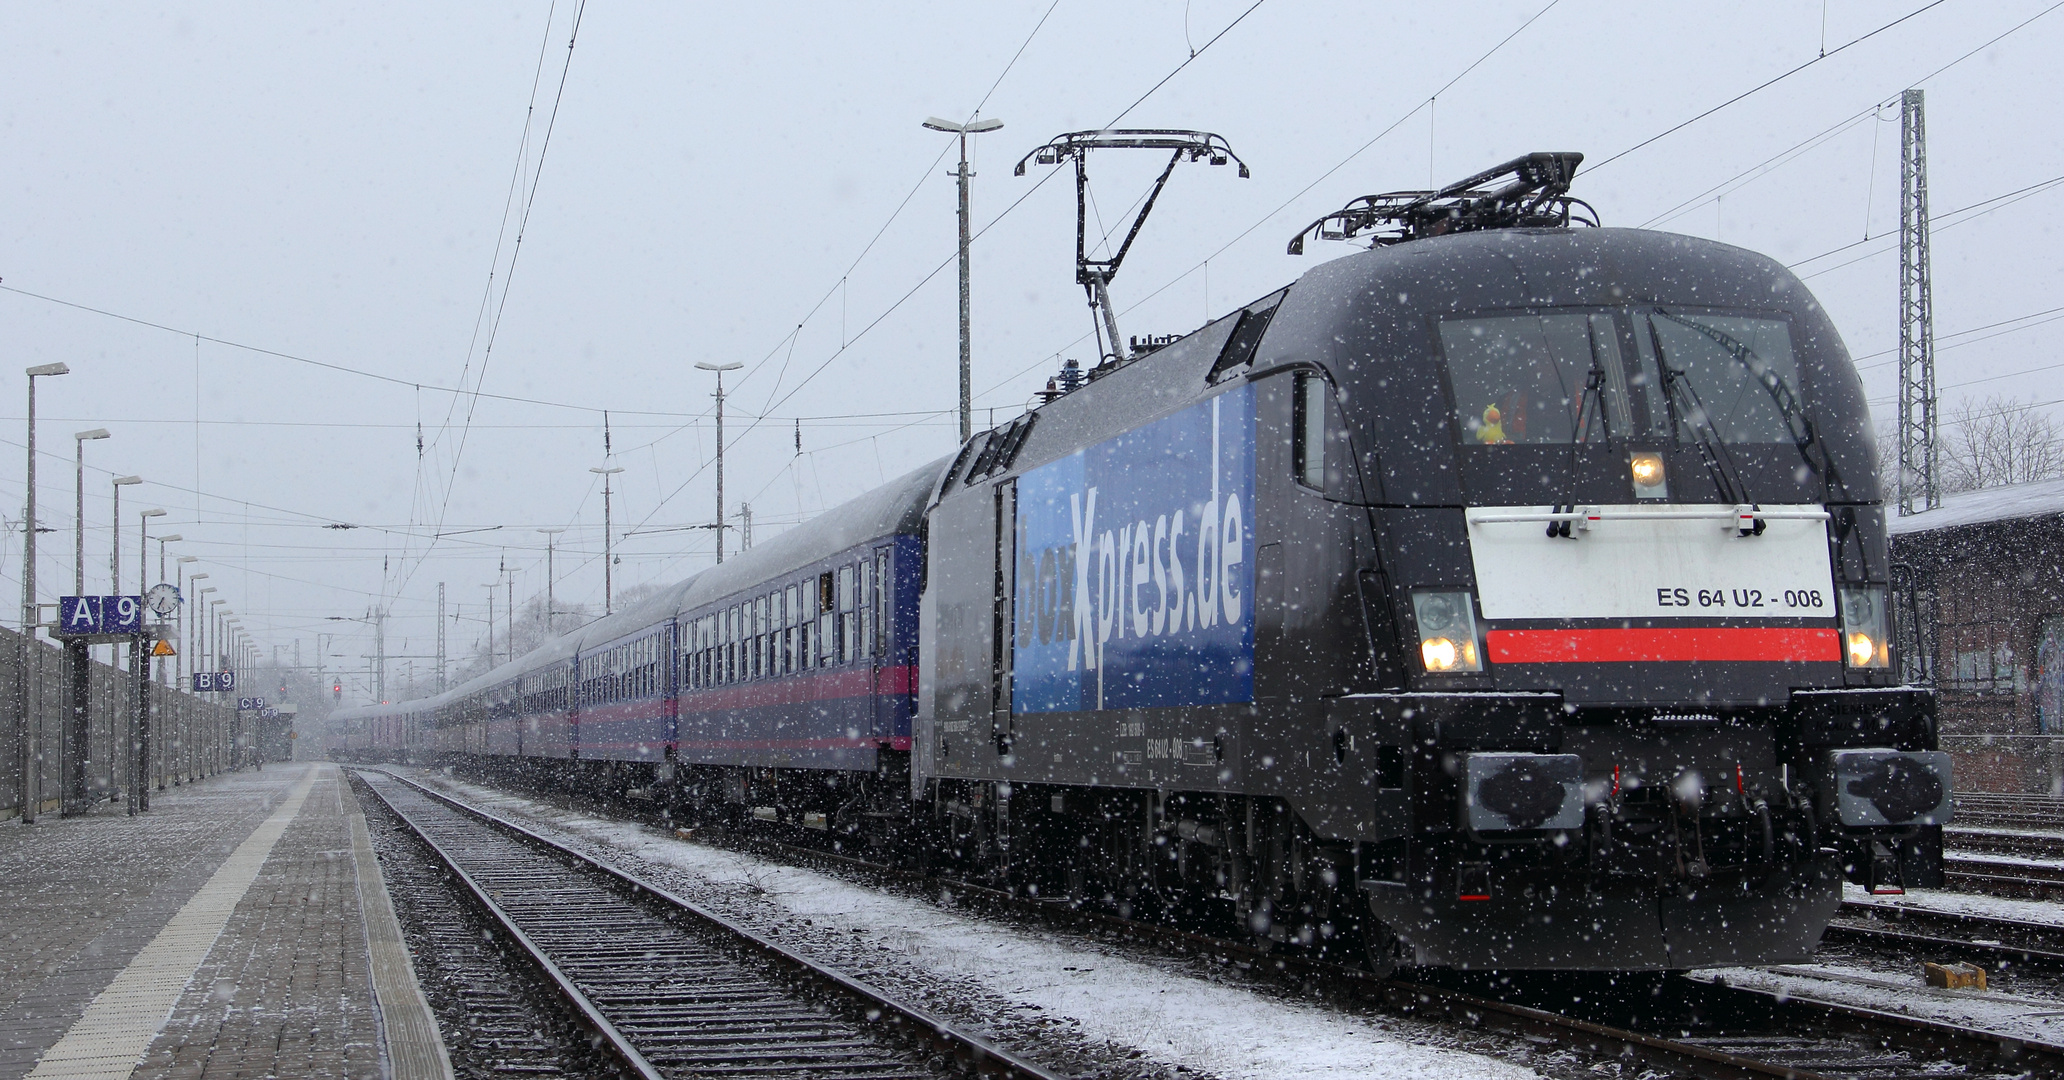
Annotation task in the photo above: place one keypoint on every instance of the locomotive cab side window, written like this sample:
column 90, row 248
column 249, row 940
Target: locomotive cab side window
column 1308, row 442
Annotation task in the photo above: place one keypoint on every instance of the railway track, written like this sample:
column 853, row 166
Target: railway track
column 668, row 989
column 2003, row 875
column 497, row 1020
column 1677, row 1026
column 2012, row 811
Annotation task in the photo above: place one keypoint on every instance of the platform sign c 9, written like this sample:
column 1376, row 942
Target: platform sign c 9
column 1135, row 573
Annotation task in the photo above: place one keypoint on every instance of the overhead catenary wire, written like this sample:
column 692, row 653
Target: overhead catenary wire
column 951, row 258
column 1300, row 193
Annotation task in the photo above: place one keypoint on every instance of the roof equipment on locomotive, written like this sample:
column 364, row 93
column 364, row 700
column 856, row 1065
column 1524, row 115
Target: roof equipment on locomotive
column 1094, row 275
column 1537, row 198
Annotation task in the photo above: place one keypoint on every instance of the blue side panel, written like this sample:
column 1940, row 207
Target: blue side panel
column 1134, row 583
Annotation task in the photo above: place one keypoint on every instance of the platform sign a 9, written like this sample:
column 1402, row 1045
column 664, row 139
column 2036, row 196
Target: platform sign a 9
column 80, row 615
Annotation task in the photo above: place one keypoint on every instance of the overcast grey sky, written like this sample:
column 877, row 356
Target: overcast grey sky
column 334, row 182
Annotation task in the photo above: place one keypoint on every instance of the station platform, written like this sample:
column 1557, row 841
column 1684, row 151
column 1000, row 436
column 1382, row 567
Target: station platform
column 240, row 928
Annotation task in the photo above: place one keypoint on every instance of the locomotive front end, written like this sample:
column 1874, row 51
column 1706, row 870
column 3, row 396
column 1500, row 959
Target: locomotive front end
column 1628, row 585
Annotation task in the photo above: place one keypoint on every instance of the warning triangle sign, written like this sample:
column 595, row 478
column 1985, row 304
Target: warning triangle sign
column 163, row 648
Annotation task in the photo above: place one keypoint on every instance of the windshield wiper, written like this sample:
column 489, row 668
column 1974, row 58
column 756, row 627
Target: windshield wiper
column 1594, row 391
column 1711, row 447
column 1797, row 423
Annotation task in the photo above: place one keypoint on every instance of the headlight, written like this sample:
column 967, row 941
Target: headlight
column 1447, row 631
column 1645, row 468
column 1866, row 627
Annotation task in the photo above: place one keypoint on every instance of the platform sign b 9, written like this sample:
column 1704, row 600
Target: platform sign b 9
column 208, row 682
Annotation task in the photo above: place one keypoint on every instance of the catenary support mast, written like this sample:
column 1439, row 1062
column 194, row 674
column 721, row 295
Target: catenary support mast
column 1918, row 452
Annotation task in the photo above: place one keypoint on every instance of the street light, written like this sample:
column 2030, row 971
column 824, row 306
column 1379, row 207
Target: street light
column 215, row 630
column 720, row 369
column 28, row 733
column 966, row 347
column 115, row 559
column 143, row 546
column 140, row 667
column 162, row 541
column 185, row 618
column 607, row 581
column 79, row 442
column 76, row 653
column 551, row 538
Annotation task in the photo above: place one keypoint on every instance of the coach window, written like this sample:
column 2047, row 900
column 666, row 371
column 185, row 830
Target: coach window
column 788, row 630
column 799, row 613
column 763, row 644
column 846, row 614
column 866, row 606
column 884, row 594
column 824, row 649
column 763, row 636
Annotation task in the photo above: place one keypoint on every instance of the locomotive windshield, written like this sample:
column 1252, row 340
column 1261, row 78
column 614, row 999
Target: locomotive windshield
column 1593, row 376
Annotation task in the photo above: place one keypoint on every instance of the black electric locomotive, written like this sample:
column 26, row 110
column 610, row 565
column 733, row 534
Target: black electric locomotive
column 1512, row 594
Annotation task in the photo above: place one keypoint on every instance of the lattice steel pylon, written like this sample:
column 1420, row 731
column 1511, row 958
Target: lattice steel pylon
column 1917, row 428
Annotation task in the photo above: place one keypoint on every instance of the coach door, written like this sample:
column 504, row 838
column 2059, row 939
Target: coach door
column 875, row 594
column 1002, row 630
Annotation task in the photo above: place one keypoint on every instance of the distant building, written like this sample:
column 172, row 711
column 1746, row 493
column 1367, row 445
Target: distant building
column 1979, row 591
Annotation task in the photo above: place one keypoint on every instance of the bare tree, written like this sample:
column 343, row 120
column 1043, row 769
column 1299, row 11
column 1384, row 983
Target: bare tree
column 1999, row 441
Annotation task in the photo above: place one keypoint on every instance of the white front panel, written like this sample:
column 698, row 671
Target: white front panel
column 1638, row 562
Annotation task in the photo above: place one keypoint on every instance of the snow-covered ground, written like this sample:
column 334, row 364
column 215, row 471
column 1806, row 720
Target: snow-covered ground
column 2032, row 861
column 2041, row 912
column 2031, row 1018
column 1127, row 1014
column 1952, row 832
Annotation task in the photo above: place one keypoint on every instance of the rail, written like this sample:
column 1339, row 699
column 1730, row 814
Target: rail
column 646, row 1030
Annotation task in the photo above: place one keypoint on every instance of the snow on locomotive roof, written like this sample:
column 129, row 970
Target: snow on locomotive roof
column 2013, row 501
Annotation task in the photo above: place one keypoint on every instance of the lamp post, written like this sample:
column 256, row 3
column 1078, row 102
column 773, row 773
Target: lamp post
column 215, row 632
column 115, row 543
column 491, row 587
column 720, row 369
column 79, row 748
column 162, row 541
column 28, row 729
column 79, row 442
column 185, row 621
column 143, row 546
column 966, row 348
column 202, row 609
column 551, row 607
column 144, row 773
column 608, row 583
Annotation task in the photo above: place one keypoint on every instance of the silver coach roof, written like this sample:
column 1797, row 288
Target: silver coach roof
column 896, row 507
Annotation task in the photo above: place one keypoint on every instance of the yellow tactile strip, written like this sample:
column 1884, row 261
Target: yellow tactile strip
column 415, row 1048
column 106, row 1042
